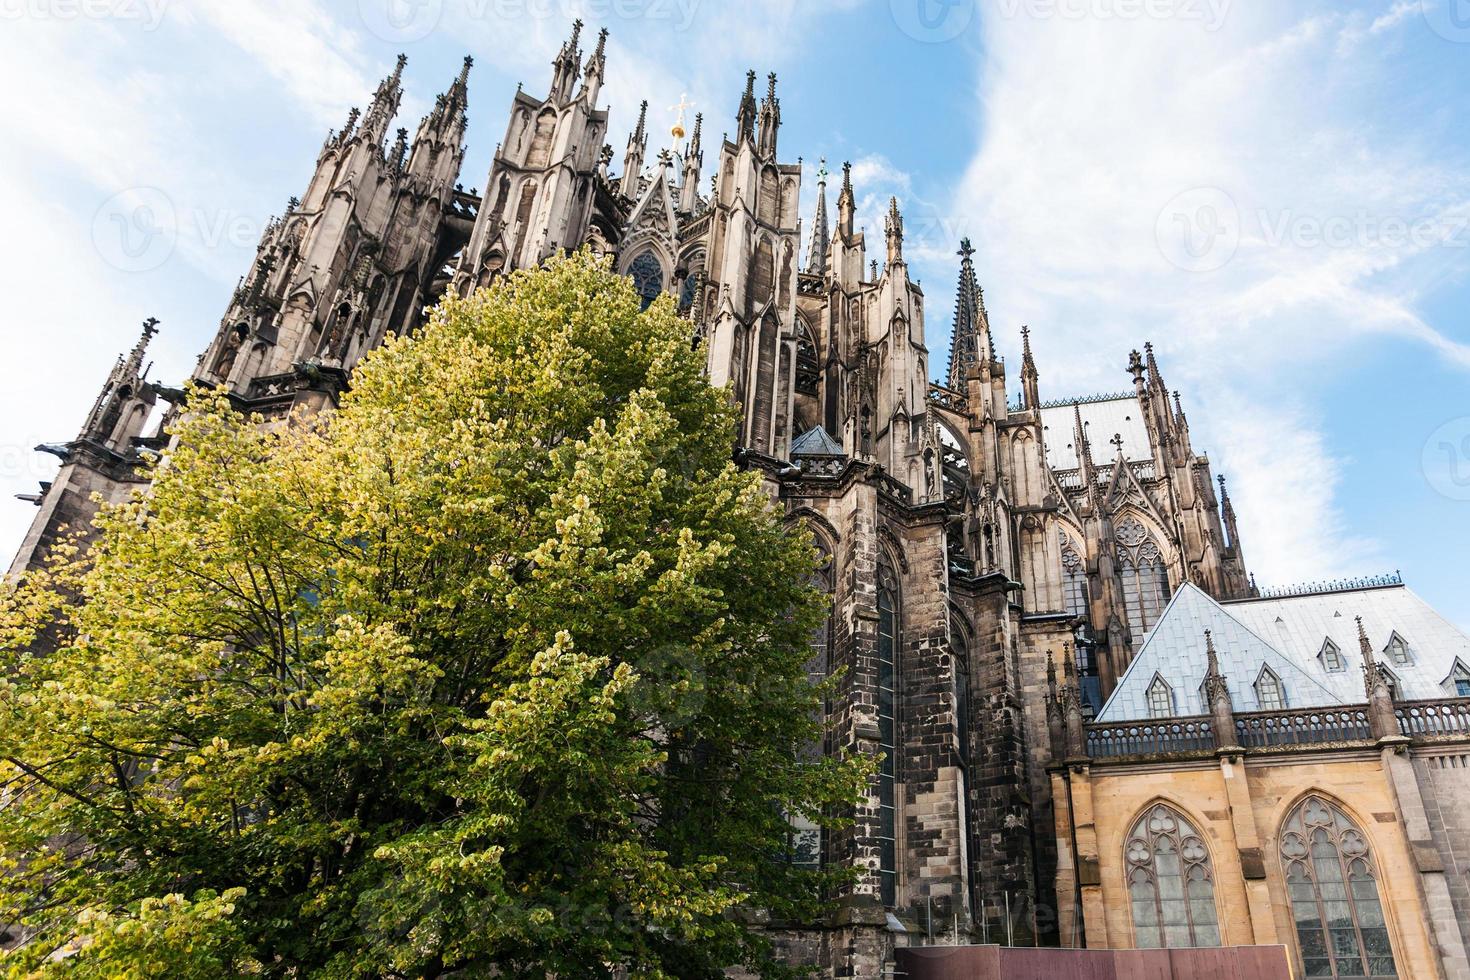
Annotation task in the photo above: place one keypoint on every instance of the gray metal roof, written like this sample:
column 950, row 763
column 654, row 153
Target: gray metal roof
column 815, row 442
column 1102, row 419
column 1288, row 634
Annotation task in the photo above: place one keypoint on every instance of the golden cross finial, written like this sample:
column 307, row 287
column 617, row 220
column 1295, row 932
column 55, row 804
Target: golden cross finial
column 677, row 131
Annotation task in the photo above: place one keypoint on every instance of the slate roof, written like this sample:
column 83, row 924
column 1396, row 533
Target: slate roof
column 1103, row 419
column 815, row 442
column 1288, row 635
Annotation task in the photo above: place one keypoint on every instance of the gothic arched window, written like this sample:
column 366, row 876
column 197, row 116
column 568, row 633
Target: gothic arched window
column 693, row 282
column 1145, row 582
column 804, row 844
column 959, row 645
column 888, row 627
column 1398, row 650
column 1074, row 579
column 807, row 368
column 1333, row 887
column 1171, row 885
column 648, row 277
column 1270, row 694
column 1160, row 698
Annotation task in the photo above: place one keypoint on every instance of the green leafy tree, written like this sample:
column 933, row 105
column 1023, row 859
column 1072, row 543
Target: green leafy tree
column 499, row 669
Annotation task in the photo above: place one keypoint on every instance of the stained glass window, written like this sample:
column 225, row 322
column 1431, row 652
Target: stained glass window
column 887, row 733
column 1145, row 582
column 1171, row 885
column 648, row 277
column 1333, row 887
column 1074, row 579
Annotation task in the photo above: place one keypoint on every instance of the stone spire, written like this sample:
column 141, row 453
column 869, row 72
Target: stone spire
column 385, row 104
column 567, row 66
column 1030, row 388
column 1376, row 685
column 893, row 231
column 124, row 389
column 449, row 112
column 971, row 338
column 633, row 159
column 693, row 165
column 846, row 206
column 817, row 258
column 1227, row 517
column 1217, row 699
column 745, row 119
column 770, row 119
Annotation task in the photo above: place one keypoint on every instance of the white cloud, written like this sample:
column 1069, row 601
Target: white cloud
column 1092, row 128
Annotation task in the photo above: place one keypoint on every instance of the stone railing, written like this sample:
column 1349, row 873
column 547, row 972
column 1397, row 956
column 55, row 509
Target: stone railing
column 1303, row 726
column 1167, row 736
column 948, row 398
column 1448, row 717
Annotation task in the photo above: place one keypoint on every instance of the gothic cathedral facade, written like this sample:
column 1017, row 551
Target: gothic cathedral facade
column 968, row 527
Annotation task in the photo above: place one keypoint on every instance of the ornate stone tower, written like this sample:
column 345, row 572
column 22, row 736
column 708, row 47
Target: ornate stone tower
column 358, row 256
column 540, row 191
column 103, row 459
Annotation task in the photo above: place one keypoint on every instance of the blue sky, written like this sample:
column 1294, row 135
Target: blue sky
column 1276, row 194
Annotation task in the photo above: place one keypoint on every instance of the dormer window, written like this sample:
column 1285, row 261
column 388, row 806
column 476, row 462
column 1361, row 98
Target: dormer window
column 1460, row 679
column 1397, row 650
column 1331, row 658
column 1270, row 695
column 1160, row 699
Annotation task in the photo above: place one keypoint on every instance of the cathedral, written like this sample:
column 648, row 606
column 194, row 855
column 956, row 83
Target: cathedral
column 1004, row 568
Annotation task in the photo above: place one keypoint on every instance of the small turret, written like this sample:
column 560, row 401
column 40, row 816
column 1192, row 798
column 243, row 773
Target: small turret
column 893, row 232
column 770, row 119
column 818, row 257
column 693, row 164
column 633, row 158
column 567, row 66
column 1217, row 698
column 971, row 338
column 385, row 104
column 1030, row 388
column 123, row 405
column 595, row 72
column 745, row 118
column 846, row 206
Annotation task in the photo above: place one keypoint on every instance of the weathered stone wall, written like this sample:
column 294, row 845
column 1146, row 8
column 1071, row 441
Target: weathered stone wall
column 1444, row 784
